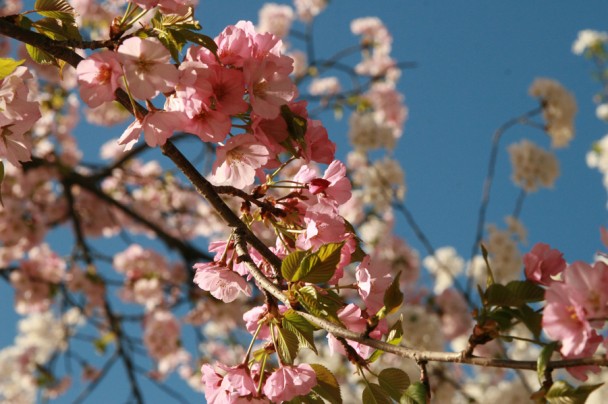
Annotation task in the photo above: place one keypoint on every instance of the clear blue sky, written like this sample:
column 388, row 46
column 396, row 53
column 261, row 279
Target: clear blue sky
column 475, row 60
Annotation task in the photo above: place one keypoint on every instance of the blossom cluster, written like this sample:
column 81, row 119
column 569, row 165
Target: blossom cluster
column 576, row 308
column 18, row 113
column 238, row 95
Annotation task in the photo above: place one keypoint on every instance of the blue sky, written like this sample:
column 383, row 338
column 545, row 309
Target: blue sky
column 475, row 61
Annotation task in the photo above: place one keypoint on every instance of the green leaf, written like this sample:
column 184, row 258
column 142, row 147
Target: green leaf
column 302, row 329
column 320, row 266
column 291, row 263
column 58, row 29
column 394, row 381
column 415, row 394
column 563, row 393
column 320, row 303
column 374, row 394
column 358, row 255
column 200, row 39
column 394, row 337
column 168, row 39
column 490, row 277
column 55, row 9
column 514, row 294
column 327, row 384
column 179, row 21
column 531, row 319
column 393, row 297
column 543, row 359
column 503, row 316
column 296, row 127
column 7, row 66
column 39, row 56
column 288, row 345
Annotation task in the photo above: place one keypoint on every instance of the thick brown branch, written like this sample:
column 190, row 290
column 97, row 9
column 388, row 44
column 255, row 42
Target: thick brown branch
column 54, row 48
column 205, row 188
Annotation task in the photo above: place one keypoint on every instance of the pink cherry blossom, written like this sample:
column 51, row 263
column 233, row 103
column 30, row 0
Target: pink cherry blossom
column 158, row 126
column 228, row 86
column 323, row 225
column 221, row 282
column 575, row 306
column 318, row 146
column 580, row 372
column 267, row 88
column 147, row 68
column 337, row 187
column 235, row 44
column 18, row 113
column 209, row 125
column 99, row 76
column 236, row 162
column 589, row 283
column 254, row 316
column 34, row 279
column 372, row 281
column 236, row 386
column 288, row 382
column 542, row 263
column 352, row 317
column 162, row 339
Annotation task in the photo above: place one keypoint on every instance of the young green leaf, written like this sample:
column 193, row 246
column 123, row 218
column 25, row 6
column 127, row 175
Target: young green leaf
column 296, row 125
column 514, row 294
column 394, row 381
column 490, row 276
column 8, row 65
column 393, row 297
column 58, row 29
column 327, row 384
column 39, row 56
column 290, row 265
column 200, row 39
column 531, row 319
column 415, row 394
column 543, row 359
column 394, row 337
column 563, row 393
column 323, row 304
column 374, row 394
column 301, row 328
column 55, row 9
column 287, row 345
column 320, row 266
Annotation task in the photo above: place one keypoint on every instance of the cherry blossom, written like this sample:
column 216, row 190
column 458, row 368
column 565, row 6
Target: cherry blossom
column 99, row 76
column 372, row 283
column 288, row 382
column 237, row 161
column 542, row 263
column 157, row 126
column 232, row 387
column 220, row 281
column 147, row 68
column 575, row 306
column 18, row 113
